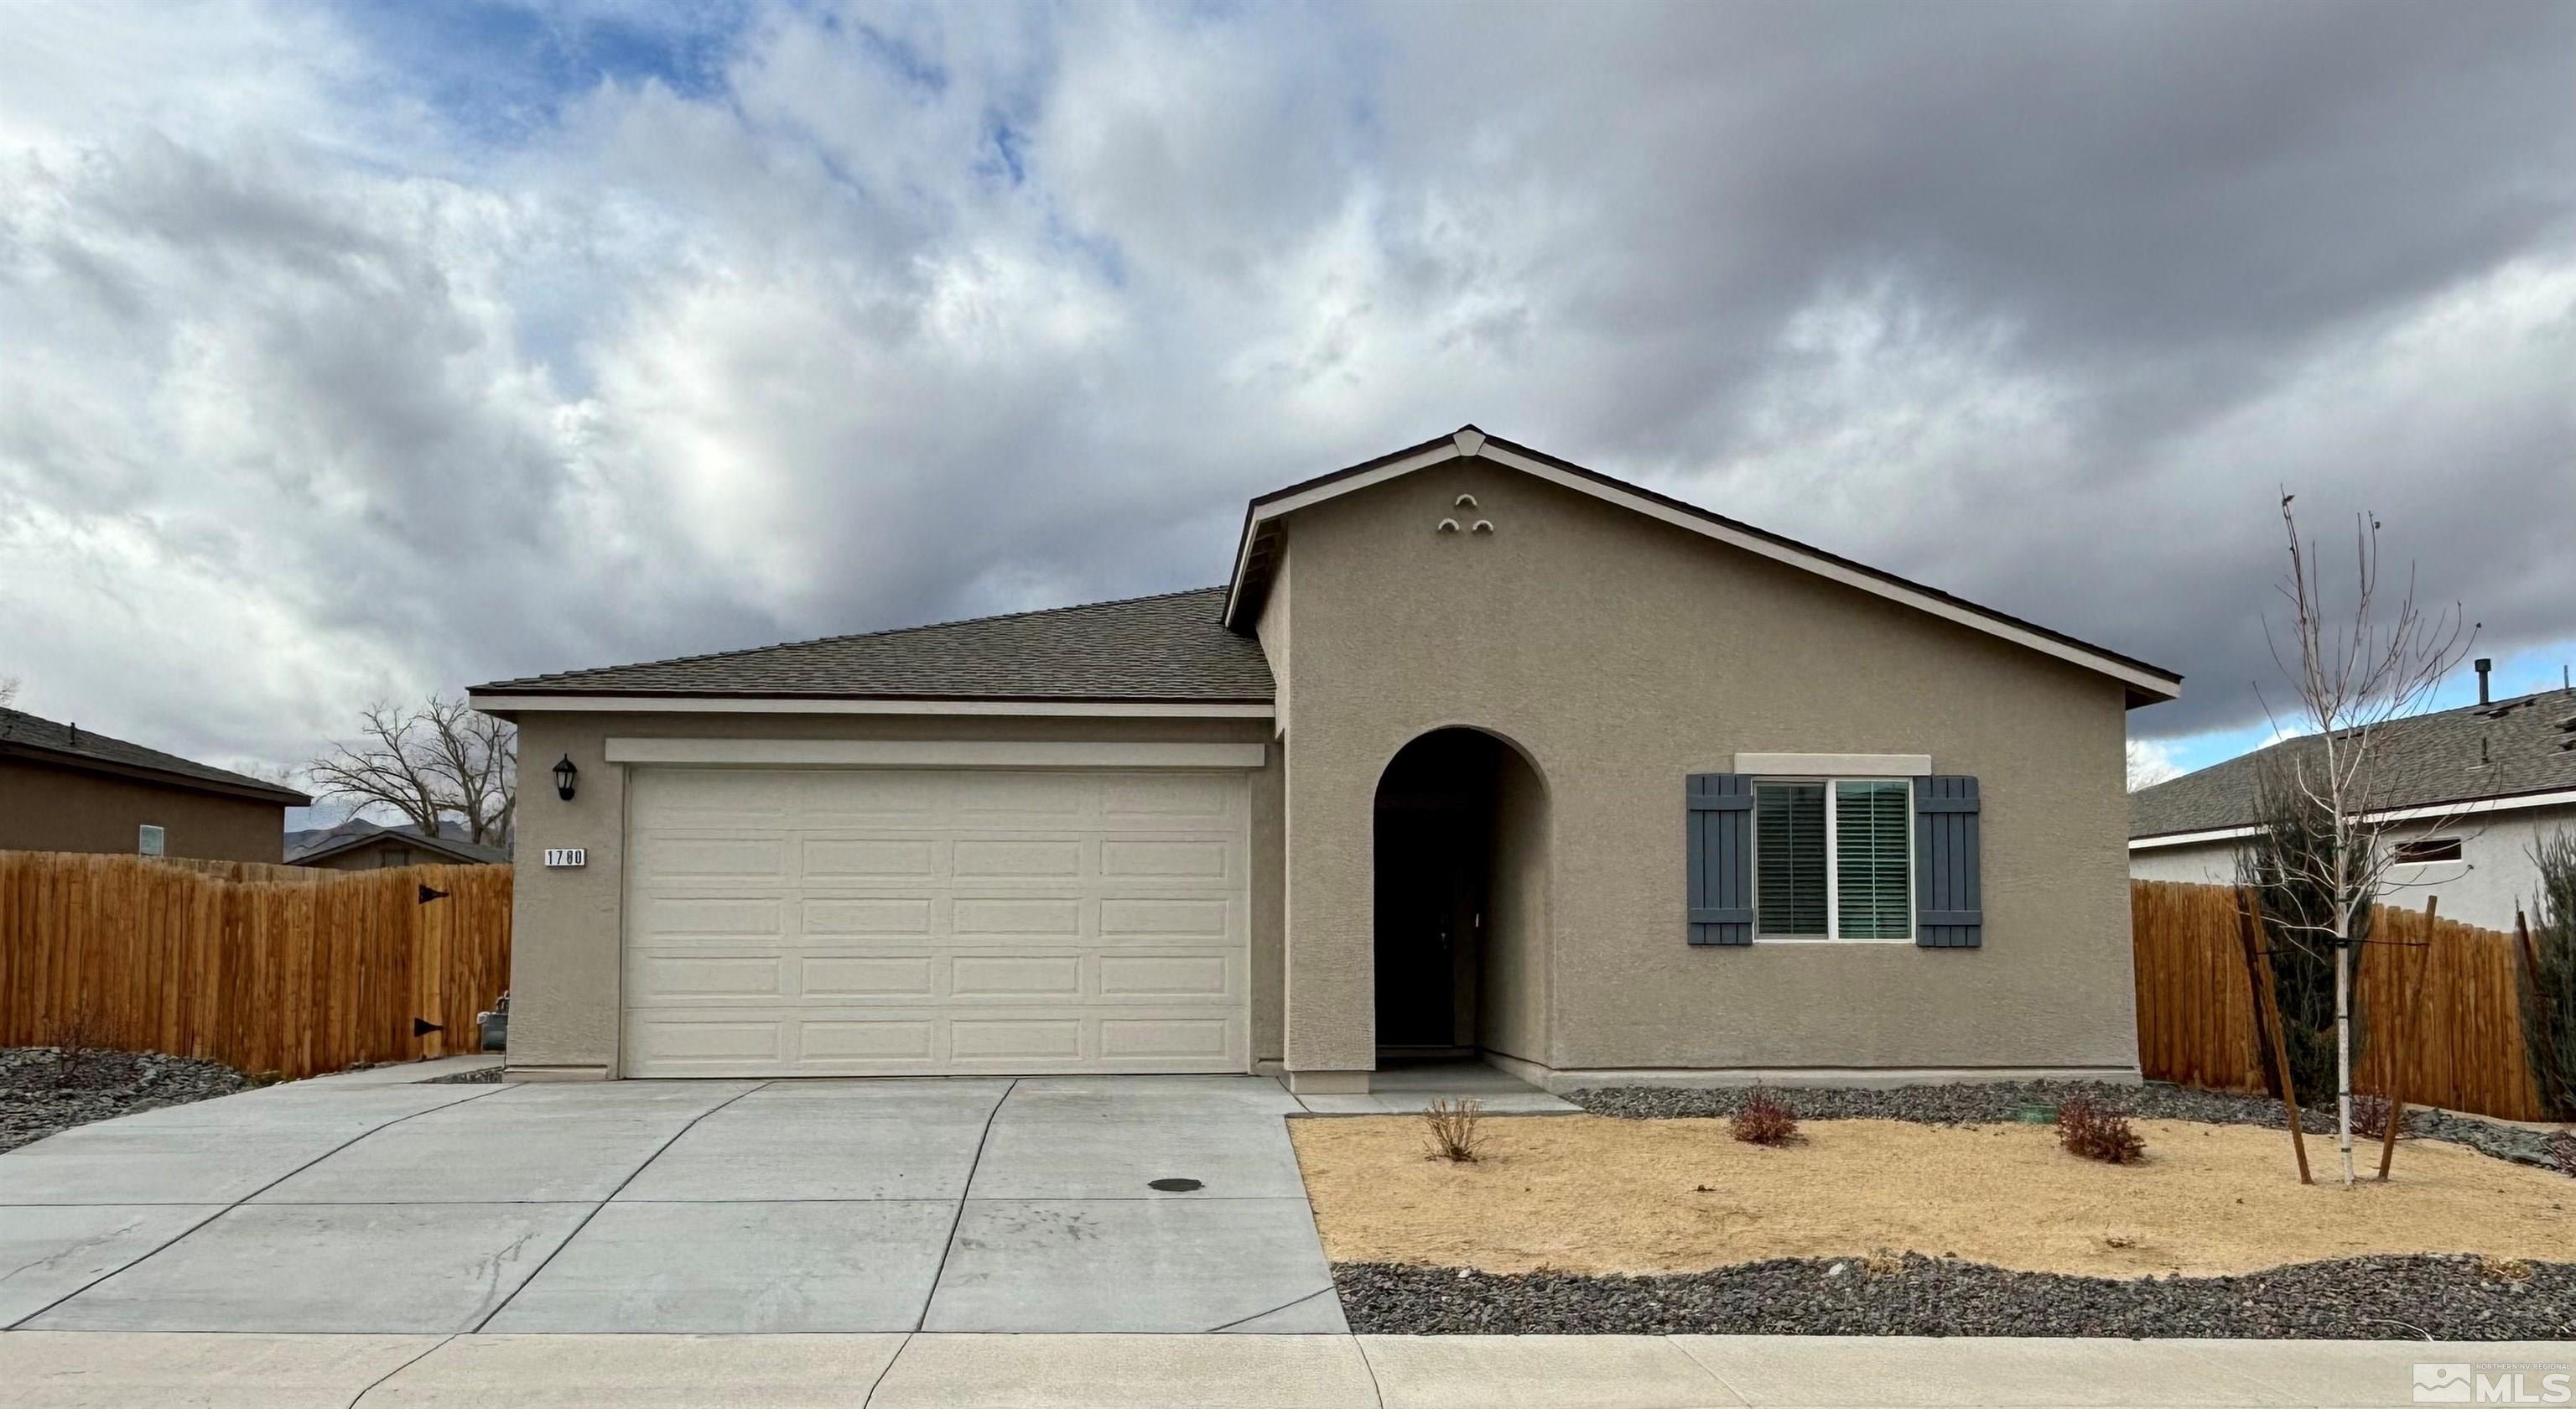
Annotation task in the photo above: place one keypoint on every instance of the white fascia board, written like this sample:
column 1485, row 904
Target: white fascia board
column 2190, row 838
column 2145, row 681
column 2435, row 811
column 721, row 704
column 1438, row 454
column 1836, row 765
column 932, row 753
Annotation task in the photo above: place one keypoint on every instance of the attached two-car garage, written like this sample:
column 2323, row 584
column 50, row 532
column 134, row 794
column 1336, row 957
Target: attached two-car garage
column 846, row 921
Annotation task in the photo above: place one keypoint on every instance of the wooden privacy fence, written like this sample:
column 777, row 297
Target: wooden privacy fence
column 295, row 977
column 2196, row 1017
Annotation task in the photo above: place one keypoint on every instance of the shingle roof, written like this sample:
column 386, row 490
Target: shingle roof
column 1174, row 647
column 24, row 735
column 313, row 845
column 2512, row 747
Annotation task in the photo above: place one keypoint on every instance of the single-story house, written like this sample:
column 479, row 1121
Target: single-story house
column 360, row 845
column 2465, row 794
column 66, row 788
column 1477, row 751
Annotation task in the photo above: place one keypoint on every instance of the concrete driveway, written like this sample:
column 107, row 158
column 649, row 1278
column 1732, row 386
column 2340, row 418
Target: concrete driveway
column 806, row 1206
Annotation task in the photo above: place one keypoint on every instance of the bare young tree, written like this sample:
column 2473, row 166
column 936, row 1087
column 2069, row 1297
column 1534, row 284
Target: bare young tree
column 440, row 760
column 2353, row 673
column 8, row 690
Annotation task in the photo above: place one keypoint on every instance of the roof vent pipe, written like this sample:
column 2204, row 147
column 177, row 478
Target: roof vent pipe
column 2483, row 666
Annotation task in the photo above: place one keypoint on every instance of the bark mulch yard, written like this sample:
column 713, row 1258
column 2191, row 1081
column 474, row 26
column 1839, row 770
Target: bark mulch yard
column 41, row 1094
column 1581, row 1224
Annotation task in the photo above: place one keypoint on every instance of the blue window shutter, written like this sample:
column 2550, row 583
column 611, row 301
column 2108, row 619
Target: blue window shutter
column 1720, row 893
column 1949, row 907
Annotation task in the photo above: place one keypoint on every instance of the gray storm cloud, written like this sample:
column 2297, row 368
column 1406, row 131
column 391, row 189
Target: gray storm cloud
column 318, row 389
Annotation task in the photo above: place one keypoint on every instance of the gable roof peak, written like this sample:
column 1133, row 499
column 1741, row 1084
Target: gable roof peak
column 1256, row 554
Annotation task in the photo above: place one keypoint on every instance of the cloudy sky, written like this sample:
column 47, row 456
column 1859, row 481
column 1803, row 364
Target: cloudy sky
column 363, row 351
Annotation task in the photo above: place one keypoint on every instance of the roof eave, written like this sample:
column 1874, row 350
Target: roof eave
column 247, row 789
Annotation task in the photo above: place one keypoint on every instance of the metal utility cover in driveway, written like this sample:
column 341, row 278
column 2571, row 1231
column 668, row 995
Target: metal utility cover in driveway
column 962, row 1204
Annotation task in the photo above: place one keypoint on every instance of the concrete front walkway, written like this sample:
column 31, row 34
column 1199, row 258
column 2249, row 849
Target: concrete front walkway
column 373, row 1207
column 43, row 1370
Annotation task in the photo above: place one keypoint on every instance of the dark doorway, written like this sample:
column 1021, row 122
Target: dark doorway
column 1436, row 825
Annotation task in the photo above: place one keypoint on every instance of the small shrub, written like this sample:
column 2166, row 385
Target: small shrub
column 1452, row 1126
column 2097, row 1132
column 2370, row 1117
column 2561, row 1149
column 79, row 1041
column 1764, row 1120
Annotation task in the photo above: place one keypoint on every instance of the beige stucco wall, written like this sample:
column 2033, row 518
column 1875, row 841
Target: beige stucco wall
column 565, row 936
column 1511, row 1015
column 1622, row 654
column 44, row 808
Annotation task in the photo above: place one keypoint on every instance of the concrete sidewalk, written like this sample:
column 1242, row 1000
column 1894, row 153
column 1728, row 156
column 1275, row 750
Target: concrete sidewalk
column 60, row 1370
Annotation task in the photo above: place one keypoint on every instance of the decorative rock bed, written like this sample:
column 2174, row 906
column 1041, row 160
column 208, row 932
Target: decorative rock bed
column 480, row 1076
column 2370, row 1298
column 40, row 1094
column 1977, row 1103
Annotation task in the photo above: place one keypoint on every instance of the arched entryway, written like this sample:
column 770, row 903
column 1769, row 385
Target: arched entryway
column 1461, row 900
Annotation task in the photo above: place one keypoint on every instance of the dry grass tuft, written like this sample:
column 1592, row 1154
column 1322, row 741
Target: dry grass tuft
column 2098, row 1133
column 1765, row 1120
column 1452, row 1126
column 2504, row 1269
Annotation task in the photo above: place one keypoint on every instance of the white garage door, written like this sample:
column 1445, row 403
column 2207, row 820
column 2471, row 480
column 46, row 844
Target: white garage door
column 833, row 922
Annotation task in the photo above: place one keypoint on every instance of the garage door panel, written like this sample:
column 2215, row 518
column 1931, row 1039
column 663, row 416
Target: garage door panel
column 702, row 859
column 684, row 919
column 987, row 917
column 1015, row 858
column 827, row 916
column 904, row 978
column 681, row 976
column 825, row 860
column 918, row 921
column 1173, row 801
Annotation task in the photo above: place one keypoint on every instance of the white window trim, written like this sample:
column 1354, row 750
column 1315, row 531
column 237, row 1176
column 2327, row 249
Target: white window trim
column 1802, row 767
column 1833, row 872
column 932, row 753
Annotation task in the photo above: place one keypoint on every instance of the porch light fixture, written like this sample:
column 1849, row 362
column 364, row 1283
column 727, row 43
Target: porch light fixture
column 564, row 774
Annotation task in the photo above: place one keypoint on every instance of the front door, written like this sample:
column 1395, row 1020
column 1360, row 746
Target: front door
column 1426, row 918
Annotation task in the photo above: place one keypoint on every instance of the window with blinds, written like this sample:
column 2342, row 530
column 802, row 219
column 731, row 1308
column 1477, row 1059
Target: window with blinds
column 1833, row 860
column 1789, row 858
column 1871, row 855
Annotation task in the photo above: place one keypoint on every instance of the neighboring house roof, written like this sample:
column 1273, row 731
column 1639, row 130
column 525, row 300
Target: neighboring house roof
column 2516, row 752
column 23, row 735
column 307, row 847
column 1256, row 553
column 1170, row 648
column 1195, row 648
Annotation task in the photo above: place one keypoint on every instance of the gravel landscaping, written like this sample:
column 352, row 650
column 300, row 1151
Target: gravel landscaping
column 1979, row 1103
column 481, row 1076
column 38, row 1097
column 2367, row 1298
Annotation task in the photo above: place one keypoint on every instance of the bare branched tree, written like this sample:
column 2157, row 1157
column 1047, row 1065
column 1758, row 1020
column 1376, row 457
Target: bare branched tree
column 440, row 760
column 8, row 690
column 2351, row 672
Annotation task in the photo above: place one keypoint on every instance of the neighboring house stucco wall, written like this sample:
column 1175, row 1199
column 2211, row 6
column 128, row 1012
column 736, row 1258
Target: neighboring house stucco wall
column 2493, row 875
column 565, row 958
column 1620, row 655
column 44, row 808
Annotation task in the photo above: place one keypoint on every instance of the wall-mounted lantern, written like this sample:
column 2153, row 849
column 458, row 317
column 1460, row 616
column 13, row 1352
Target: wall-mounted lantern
column 564, row 774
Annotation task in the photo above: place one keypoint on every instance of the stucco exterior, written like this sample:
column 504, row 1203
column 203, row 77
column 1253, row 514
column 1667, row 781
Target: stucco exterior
column 1619, row 655
column 2493, row 876
column 565, row 963
column 47, row 808
column 1614, row 653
